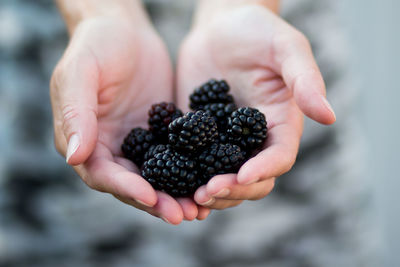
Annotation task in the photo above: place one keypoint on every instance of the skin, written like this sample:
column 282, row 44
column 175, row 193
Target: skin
column 116, row 66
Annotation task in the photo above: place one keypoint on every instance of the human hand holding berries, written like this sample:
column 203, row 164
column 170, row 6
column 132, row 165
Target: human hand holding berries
column 269, row 66
column 101, row 88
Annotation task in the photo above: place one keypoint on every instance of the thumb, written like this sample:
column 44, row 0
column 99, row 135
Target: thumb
column 74, row 102
column 302, row 76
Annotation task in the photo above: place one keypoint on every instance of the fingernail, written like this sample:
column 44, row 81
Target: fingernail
column 73, row 145
column 144, row 204
column 328, row 106
column 223, row 193
column 208, row 202
column 165, row 219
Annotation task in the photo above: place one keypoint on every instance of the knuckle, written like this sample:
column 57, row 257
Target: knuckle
column 58, row 76
column 69, row 113
column 91, row 183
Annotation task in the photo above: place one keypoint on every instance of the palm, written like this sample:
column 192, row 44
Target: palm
column 135, row 72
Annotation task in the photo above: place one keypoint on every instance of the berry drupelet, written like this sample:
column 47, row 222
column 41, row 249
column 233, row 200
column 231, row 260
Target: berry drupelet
column 211, row 92
column 154, row 149
column 160, row 116
column 136, row 144
column 173, row 173
column 192, row 132
column 221, row 113
column 247, row 128
column 219, row 159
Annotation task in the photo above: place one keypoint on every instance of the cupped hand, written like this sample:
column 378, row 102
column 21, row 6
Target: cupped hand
column 110, row 74
column 270, row 66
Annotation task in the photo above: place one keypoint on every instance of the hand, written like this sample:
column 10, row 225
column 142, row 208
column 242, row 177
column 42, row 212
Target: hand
column 270, row 66
column 111, row 73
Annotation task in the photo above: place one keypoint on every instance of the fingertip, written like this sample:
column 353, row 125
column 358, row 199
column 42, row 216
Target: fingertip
column 203, row 213
column 202, row 197
column 168, row 209
column 219, row 183
column 149, row 200
column 147, row 196
column 331, row 117
column 247, row 174
column 131, row 185
column 81, row 134
column 189, row 208
column 310, row 94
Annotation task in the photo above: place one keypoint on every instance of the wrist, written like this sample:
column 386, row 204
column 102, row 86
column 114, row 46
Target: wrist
column 208, row 8
column 76, row 12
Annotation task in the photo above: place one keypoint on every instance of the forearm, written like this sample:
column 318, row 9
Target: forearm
column 75, row 12
column 207, row 8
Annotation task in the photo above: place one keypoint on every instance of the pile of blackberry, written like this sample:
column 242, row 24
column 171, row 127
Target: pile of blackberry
column 180, row 152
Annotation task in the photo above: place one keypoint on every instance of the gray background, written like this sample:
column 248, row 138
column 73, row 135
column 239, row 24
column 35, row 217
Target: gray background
column 373, row 28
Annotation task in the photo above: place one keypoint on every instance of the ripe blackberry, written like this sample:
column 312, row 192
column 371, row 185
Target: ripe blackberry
column 160, row 116
column 247, row 128
column 220, row 159
column 221, row 113
column 193, row 131
column 173, row 173
column 211, row 92
column 136, row 144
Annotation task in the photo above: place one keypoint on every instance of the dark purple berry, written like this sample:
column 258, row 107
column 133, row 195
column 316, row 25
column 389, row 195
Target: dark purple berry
column 247, row 128
column 160, row 116
column 136, row 144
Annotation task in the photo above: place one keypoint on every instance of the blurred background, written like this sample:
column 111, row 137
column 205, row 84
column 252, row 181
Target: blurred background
column 49, row 218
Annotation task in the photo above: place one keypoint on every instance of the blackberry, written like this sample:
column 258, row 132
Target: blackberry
column 221, row 113
column 211, row 92
column 160, row 116
column 193, row 131
column 136, row 144
column 173, row 173
column 247, row 128
column 219, row 159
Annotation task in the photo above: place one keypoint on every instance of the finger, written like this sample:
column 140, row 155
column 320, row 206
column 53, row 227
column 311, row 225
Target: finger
column 203, row 213
column 226, row 187
column 204, row 199
column 221, row 204
column 296, row 63
column 73, row 91
column 277, row 159
column 189, row 208
column 126, row 163
column 136, row 204
column 100, row 172
column 168, row 209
